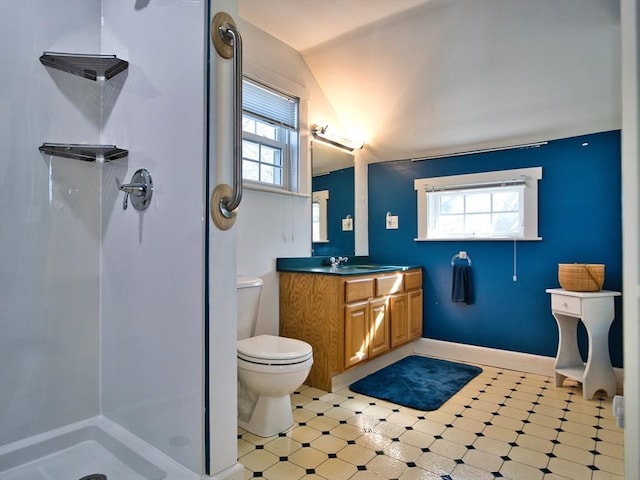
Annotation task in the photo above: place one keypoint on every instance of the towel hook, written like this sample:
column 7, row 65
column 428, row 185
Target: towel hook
column 462, row 255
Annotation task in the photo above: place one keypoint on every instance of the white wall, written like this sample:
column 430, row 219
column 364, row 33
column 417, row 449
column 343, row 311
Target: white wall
column 272, row 225
column 222, row 304
column 631, row 230
column 152, row 261
column 50, row 211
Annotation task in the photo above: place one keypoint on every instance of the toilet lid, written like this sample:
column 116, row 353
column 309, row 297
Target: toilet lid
column 273, row 350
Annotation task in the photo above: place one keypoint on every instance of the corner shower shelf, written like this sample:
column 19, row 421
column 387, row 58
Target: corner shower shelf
column 87, row 66
column 87, row 153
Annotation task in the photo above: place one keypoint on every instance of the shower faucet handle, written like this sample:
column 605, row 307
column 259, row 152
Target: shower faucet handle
column 140, row 189
column 129, row 189
column 132, row 188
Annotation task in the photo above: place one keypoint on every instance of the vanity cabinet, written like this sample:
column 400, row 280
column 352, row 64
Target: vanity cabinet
column 413, row 286
column 414, row 324
column 357, row 319
column 405, row 310
column 366, row 322
column 356, row 330
column 378, row 327
column 398, row 311
column 349, row 320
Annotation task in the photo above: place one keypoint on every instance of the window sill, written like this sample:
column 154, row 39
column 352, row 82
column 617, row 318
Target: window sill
column 277, row 191
column 483, row 239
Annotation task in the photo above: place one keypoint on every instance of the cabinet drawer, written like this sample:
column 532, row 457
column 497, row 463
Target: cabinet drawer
column 566, row 304
column 388, row 284
column 359, row 289
column 413, row 280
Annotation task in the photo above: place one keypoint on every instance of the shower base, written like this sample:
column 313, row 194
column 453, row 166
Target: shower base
column 91, row 449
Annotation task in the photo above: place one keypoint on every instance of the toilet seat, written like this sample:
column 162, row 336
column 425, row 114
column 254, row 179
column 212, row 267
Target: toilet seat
column 272, row 350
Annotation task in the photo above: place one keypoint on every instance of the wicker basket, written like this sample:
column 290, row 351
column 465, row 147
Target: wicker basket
column 581, row 277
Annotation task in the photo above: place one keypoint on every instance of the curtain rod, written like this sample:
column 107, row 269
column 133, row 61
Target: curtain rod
column 512, row 182
column 486, row 150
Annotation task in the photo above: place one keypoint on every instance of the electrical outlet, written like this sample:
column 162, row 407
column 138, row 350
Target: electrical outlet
column 392, row 222
column 347, row 224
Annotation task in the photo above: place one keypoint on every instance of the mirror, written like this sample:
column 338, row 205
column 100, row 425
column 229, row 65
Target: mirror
column 333, row 200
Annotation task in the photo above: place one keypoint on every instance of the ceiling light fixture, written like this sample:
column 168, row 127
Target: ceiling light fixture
column 329, row 135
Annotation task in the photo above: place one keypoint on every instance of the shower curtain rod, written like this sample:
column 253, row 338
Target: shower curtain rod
column 485, row 150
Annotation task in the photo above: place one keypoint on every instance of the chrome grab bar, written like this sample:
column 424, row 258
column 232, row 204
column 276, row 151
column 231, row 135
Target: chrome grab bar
column 229, row 36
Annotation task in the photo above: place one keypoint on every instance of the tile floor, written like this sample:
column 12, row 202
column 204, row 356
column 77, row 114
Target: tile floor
column 503, row 424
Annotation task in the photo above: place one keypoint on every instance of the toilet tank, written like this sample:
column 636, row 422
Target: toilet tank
column 248, row 301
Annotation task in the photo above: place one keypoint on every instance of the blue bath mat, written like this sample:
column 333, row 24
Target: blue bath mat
column 418, row 382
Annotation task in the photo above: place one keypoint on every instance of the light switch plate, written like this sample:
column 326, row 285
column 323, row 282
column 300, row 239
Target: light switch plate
column 347, row 224
column 392, row 222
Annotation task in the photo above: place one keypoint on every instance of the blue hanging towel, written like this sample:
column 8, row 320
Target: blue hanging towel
column 461, row 284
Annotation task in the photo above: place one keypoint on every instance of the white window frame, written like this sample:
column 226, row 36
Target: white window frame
column 531, row 176
column 321, row 197
column 289, row 147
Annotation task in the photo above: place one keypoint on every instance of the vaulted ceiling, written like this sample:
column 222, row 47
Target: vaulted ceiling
column 429, row 77
column 305, row 24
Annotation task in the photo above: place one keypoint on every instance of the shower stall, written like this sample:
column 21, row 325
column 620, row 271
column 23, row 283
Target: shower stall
column 112, row 320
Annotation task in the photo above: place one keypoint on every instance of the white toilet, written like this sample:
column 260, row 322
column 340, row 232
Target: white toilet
column 269, row 368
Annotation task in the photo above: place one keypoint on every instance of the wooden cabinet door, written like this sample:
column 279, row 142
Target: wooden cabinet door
column 398, row 315
column 356, row 333
column 378, row 327
column 415, row 314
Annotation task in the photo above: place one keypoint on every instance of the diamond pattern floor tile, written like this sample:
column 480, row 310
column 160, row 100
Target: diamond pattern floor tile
column 503, row 424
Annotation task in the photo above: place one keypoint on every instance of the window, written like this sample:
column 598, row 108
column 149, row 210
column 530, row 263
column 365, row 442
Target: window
column 269, row 137
column 486, row 206
column 480, row 212
column 319, row 216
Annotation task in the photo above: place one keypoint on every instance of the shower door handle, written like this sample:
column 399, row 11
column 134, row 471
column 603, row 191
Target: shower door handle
column 140, row 189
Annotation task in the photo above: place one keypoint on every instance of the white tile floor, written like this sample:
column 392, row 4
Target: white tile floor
column 502, row 424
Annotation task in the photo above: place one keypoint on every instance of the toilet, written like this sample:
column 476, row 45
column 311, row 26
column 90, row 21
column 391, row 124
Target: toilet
column 270, row 368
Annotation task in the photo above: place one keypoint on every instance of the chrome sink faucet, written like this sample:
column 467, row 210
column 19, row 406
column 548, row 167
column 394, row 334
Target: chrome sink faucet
column 336, row 262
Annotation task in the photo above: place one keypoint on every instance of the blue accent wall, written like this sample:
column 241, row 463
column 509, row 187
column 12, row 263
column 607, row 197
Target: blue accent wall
column 341, row 203
column 580, row 221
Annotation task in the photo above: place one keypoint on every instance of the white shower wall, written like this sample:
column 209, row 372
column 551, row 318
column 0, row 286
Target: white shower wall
column 101, row 310
column 50, row 211
column 152, row 262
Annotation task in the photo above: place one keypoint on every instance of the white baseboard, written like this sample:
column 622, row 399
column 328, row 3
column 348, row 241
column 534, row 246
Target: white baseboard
column 493, row 357
column 235, row 472
column 523, row 362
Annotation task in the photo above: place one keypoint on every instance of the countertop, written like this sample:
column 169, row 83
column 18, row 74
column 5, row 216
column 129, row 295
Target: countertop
column 357, row 265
